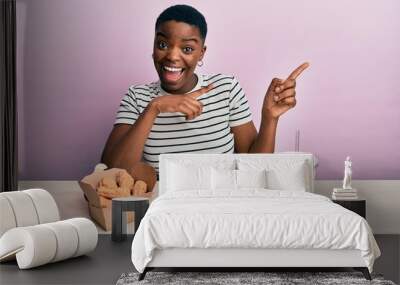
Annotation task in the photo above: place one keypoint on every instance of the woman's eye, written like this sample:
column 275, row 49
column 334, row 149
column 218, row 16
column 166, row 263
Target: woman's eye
column 162, row 45
column 187, row 49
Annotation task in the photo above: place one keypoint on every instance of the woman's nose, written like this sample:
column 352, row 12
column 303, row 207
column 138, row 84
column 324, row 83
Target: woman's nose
column 173, row 54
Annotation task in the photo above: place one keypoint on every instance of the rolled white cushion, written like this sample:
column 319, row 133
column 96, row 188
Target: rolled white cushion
column 46, row 207
column 41, row 244
column 23, row 208
column 33, row 246
column 67, row 240
column 7, row 218
column 87, row 235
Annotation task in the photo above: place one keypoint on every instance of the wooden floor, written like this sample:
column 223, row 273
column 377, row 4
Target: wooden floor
column 111, row 259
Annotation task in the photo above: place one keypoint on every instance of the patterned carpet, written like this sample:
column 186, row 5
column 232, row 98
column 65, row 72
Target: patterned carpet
column 243, row 278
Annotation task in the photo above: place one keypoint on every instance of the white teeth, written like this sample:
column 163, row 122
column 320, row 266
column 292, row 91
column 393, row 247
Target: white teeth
column 173, row 69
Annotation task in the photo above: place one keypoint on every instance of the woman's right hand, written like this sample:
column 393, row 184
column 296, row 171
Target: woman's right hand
column 185, row 103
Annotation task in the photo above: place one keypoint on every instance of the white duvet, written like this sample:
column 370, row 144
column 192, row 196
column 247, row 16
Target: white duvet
column 251, row 218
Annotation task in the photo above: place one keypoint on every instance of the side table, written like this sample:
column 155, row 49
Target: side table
column 123, row 204
column 357, row 206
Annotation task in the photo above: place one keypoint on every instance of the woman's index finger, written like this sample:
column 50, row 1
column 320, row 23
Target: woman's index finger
column 201, row 91
column 298, row 70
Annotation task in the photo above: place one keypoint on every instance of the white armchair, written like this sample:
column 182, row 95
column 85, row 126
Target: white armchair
column 31, row 230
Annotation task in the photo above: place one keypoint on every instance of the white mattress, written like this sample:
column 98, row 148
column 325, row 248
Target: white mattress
column 252, row 218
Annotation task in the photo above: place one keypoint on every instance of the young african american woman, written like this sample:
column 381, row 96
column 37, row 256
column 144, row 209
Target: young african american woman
column 187, row 112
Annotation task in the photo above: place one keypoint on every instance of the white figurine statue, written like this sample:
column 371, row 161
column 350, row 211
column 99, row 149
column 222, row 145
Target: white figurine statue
column 347, row 174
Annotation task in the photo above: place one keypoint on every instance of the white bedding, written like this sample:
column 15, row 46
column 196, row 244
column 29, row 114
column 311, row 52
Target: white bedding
column 251, row 218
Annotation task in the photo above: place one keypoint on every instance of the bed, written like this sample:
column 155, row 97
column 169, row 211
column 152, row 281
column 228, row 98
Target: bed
column 247, row 210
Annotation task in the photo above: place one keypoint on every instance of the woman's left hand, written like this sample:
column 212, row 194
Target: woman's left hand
column 281, row 95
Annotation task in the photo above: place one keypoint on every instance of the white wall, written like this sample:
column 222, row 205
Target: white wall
column 383, row 201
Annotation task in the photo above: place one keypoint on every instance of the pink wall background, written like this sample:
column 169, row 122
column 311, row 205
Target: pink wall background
column 77, row 58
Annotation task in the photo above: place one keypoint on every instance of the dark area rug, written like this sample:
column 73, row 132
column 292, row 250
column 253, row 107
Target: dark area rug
column 269, row 278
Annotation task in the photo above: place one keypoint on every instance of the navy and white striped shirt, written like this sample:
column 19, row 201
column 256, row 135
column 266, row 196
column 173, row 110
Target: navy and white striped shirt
column 224, row 106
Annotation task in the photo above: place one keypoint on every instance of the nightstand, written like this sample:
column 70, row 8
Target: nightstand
column 123, row 204
column 357, row 206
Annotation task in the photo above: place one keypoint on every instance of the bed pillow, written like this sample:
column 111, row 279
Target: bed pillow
column 227, row 179
column 223, row 179
column 293, row 179
column 188, row 177
column 281, row 174
column 251, row 178
column 220, row 163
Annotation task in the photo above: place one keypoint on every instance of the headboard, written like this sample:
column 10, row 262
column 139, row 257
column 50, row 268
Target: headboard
column 230, row 159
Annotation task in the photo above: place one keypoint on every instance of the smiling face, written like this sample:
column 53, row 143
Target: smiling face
column 177, row 49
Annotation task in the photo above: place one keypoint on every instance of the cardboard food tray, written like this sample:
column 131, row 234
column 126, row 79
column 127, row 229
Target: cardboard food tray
column 102, row 215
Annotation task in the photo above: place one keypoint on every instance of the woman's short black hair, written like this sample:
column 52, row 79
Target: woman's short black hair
column 186, row 14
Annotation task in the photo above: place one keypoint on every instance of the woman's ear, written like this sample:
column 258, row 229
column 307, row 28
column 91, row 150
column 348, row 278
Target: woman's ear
column 203, row 51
